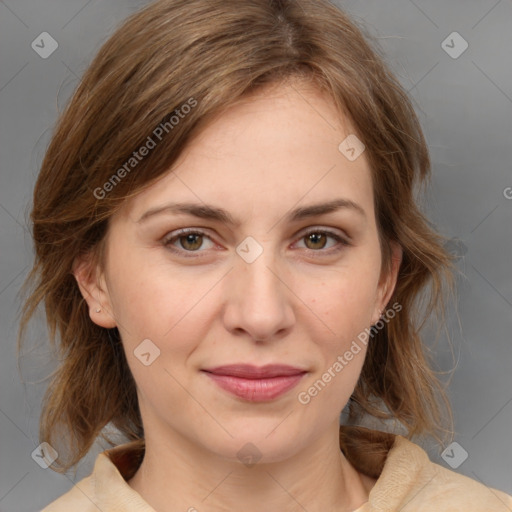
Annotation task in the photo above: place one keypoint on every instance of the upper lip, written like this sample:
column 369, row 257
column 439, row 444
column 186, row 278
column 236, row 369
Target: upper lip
column 250, row 371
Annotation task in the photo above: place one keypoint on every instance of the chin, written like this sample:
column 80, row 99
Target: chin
column 257, row 444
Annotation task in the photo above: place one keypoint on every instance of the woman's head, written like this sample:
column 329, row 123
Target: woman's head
column 261, row 109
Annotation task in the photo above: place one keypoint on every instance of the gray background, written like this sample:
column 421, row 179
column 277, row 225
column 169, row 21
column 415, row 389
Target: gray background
column 465, row 106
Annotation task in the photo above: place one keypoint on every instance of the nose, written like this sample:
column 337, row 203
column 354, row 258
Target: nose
column 259, row 299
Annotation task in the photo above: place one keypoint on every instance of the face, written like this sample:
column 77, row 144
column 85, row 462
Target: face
column 258, row 278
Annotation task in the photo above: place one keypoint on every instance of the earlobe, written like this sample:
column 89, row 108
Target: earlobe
column 95, row 292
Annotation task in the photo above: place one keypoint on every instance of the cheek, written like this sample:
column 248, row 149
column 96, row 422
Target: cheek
column 342, row 353
column 345, row 299
column 147, row 301
column 155, row 315
column 171, row 308
column 345, row 305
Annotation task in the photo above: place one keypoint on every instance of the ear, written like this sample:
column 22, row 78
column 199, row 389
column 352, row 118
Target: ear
column 387, row 282
column 93, row 288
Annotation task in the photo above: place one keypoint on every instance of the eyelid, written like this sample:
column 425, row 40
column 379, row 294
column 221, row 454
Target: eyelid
column 334, row 232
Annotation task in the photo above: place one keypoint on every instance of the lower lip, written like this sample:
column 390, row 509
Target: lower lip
column 256, row 390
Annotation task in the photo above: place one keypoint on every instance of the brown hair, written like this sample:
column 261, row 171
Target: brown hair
column 215, row 53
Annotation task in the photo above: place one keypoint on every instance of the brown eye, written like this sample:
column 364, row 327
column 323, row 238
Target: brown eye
column 191, row 241
column 316, row 240
column 188, row 241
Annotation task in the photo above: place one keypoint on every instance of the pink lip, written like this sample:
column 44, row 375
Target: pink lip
column 256, row 384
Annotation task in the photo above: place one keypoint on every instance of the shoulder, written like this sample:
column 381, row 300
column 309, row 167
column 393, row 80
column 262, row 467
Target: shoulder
column 426, row 486
column 449, row 491
column 80, row 498
column 408, row 481
column 106, row 488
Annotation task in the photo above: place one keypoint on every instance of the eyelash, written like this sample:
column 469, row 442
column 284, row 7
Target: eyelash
column 167, row 242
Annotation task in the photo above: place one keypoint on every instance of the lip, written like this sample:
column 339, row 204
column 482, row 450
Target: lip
column 256, row 383
column 249, row 371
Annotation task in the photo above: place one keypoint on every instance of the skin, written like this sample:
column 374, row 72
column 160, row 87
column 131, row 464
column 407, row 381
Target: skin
column 298, row 303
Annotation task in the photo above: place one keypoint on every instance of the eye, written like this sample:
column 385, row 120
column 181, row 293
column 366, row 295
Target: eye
column 188, row 239
column 316, row 240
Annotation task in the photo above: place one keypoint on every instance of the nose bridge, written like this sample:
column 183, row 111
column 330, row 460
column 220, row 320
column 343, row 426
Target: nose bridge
column 259, row 272
column 260, row 301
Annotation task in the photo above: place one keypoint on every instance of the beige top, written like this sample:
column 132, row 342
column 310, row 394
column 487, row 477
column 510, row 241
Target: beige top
column 407, row 482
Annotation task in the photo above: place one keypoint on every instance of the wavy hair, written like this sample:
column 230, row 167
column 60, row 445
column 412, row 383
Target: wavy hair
column 217, row 52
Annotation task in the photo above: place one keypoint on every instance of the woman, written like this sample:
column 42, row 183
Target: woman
column 229, row 252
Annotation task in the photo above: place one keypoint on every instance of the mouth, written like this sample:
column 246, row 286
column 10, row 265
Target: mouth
column 256, row 384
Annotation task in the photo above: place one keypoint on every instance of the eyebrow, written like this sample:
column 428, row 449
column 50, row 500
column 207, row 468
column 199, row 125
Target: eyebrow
column 205, row 211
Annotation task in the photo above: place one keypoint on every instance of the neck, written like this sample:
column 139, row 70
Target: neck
column 177, row 476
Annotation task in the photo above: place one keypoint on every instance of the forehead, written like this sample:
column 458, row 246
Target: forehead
column 275, row 149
